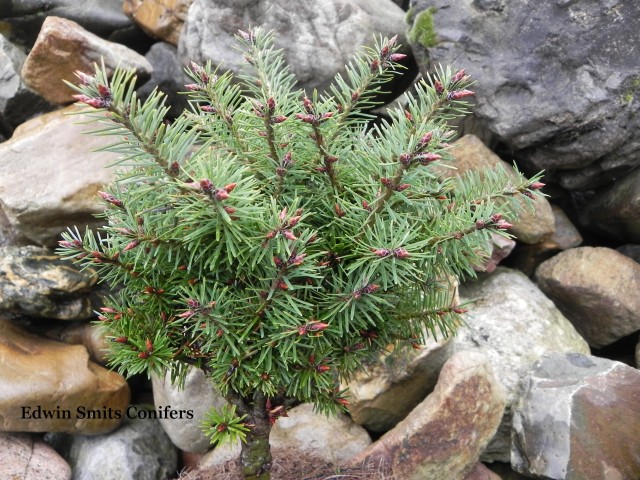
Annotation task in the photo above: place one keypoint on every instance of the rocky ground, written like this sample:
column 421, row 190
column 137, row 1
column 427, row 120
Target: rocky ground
column 541, row 381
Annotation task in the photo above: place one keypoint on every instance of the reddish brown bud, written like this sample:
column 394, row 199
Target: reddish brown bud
column 92, row 102
column 396, row 57
column 207, row 108
column 355, row 96
column 103, row 91
column 408, row 115
column 387, row 182
column 308, row 104
column 206, row 185
column 323, row 368
column 230, row 187
column 375, row 65
column 339, row 211
column 401, row 253
column 316, row 326
column 288, row 234
column 221, row 194
column 149, row 345
column 342, row 401
column 279, row 119
column 459, row 310
column 366, row 205
column 536, row 185
column 402, row 187
column 480, row 224
column 458, row 94
column 107, row 197
column 326, row 116
column 425, row 139
column 83, row 77
column 193, row 87
column 458, row 76
column 282, row 285
column 293, row 221
column 428, row 158
column 271, row 104
column 229, row 210
column 405, row 158
column 120, row 340
column 381, row 252
column 496, row 217
column 131, row 245
column 438, row 86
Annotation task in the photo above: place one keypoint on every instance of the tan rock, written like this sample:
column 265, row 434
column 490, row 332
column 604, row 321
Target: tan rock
column 444, row 435
column 49, row 176
column 470, row 154
column 596, row 288
column 566, row 235
column 42, row 378
column 62, row 47
column 23, row 458
column 161, row 19
column 88, row 334
column 388, row 389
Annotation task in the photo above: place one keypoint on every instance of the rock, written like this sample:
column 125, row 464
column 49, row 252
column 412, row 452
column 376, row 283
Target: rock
column 318, row 38
column 23, row 458
column 22, row 19
column 615, row 210
column 500, row 248
column 480, row 472
column 591, row 286
column 35, row 282
column 630, row 250
column 335, row 439
column 138, row 450
column 17, row 102
column 49, row 176
column 578, row 419
column 168, row 77
column 198, row 396
column 528, row 257
column 470, row 154
column 443, row 436
column 41, row 378
column 161, row 19
column 90, row 335
column 64, row 47
column 512, row 323
column 638, row 355
column 556, row 80
column 387, row 390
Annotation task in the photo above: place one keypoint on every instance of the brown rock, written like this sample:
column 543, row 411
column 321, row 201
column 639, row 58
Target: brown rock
column 480, row 472
column 40, row 378
column 470, row 154
column 578, row 419
column 389, row 388
column 596, row 289
column 88, row 334
column 566, row 235
column 62, row 47
column 49, row 178
column 161, row 19
column 443, row 437
column 23, row 458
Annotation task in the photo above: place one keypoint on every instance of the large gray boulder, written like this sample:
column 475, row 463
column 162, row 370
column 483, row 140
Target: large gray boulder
column 557, row 81
column 512, row 323
column 578, row 419
column 318, row 36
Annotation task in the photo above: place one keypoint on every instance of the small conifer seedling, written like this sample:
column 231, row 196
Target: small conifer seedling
column 274, row 238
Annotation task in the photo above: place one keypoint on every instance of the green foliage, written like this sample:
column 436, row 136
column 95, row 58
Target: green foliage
column 224, row 425
column 423, row 30
column 276, row 240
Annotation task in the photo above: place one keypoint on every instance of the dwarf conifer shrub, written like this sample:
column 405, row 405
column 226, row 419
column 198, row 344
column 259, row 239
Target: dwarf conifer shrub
column 275, row 239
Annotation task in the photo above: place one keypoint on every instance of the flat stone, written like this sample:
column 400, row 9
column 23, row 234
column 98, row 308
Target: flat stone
column 23, row 458
column 578, row 419
column 512, row 324
column 42, row 378
column 442, row 438
column 36, row 282
column 63, row 47
column 591, row 286
column 49, row 176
